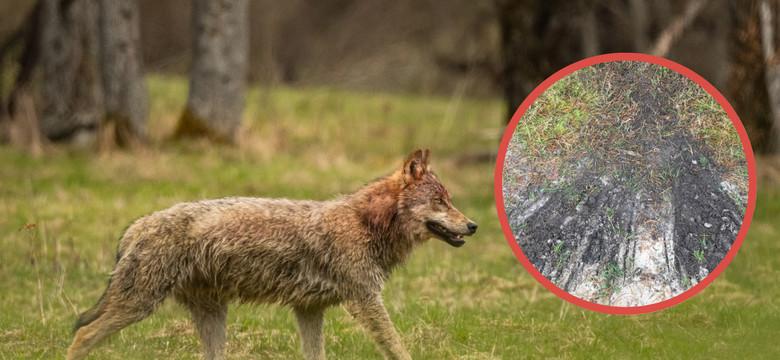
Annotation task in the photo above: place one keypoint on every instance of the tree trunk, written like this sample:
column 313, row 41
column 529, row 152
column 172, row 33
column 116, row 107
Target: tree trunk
column 17, row 115
column 537, row 39
column 125, row 96
column 746, row 87
column 516, row 40
column 71, row 93
column 218, row 74
column 769, row 26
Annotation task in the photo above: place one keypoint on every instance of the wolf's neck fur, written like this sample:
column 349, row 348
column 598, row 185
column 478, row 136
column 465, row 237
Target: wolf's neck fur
column 392, row 239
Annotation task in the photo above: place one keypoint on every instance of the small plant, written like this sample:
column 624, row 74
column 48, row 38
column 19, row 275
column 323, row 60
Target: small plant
column 517, row 227
column 625, row 234
column 703, row 160
column 562, row 259
column 609, row 278
column 610, row 213
column 669, row 175
column 612, row 272
column 558, row 248
column 699, row 255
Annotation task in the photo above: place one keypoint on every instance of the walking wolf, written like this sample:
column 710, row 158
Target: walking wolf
column 309, row 255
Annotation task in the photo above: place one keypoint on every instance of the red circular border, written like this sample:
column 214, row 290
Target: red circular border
column 498, row 180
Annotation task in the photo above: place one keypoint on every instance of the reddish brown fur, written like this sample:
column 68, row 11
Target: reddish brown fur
column 309, row 255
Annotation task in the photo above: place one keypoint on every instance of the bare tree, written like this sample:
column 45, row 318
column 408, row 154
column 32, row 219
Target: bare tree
column 89, row 56
column 124, row 91
column 18, row 119
column 218, row 74
column 537, row 39
column 746, row 88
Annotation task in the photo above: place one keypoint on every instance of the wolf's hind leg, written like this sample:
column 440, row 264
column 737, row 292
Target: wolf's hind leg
column 371, row 313
column 115, row 317
column 310, row 328
column 210, row 317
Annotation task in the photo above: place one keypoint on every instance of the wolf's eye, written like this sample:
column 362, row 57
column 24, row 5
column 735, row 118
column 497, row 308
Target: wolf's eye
column 441, row 201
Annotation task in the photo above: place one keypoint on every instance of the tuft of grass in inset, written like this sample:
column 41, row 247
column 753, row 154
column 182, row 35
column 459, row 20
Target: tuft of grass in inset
column 699, row 255
column 608, row 284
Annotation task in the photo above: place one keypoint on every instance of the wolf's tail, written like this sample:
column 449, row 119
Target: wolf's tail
column 94, row 313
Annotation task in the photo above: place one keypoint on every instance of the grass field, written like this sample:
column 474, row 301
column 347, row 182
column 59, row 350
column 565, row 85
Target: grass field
column 474, row 302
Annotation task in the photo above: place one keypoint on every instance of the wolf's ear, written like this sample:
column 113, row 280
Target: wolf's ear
column 426, row 160
column 415, row 166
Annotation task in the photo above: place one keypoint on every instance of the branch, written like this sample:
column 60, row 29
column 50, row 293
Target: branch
column 767, row 33
column 673, row 32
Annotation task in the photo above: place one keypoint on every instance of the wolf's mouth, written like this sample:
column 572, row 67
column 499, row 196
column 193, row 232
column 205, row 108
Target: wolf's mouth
column 443, row 233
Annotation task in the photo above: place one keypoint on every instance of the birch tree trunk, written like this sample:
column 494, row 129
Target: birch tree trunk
column 218, row 74
column 124, row 91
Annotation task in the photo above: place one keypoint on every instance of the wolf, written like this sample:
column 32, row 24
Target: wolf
column 308, row 255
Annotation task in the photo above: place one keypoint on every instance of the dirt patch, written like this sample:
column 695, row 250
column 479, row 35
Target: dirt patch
column 637, row 207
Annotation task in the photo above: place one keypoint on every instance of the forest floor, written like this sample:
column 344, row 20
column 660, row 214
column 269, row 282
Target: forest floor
column 625, row 184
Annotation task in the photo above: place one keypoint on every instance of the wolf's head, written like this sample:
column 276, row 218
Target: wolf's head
column 427, row 205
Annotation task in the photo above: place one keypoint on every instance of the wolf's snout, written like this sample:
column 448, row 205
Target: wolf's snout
column 472, row 226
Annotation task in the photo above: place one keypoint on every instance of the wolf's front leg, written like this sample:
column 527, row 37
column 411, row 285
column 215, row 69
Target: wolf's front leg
column 371, row 313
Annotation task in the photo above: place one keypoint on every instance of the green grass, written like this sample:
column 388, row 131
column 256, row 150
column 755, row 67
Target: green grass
column 474, row 302
column 609, row 278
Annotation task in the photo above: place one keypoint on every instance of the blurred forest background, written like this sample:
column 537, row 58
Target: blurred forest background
column 491, row 48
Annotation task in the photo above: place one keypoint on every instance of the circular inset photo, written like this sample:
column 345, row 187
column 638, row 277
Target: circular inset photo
column 625, row 183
